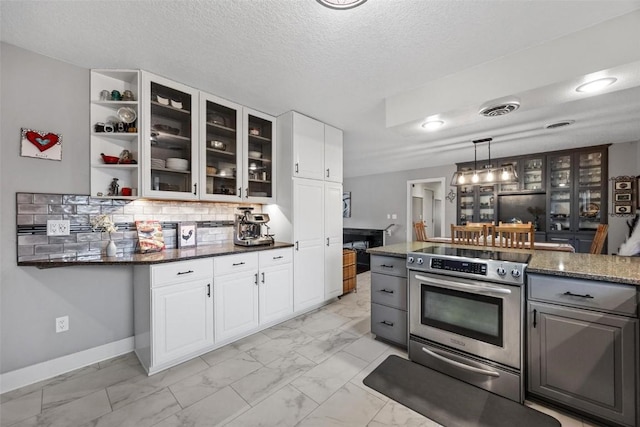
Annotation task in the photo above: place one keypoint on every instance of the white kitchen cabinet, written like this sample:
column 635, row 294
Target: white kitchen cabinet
column 221, row 149
column 333, row 240
column 312, row 149
column 333, row 158
column 251, row 289
column 173, row 312
column 170, row 143
column 259, row 161
column 308, row 232
column 118, row 136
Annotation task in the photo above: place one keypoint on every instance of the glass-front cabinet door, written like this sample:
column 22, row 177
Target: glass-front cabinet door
column 221, row 150
column 259, row 158
column 486, row 203
column 466, row 197
column 170, row 139
column 590, row 182
column 560, row 203
column 532, row 177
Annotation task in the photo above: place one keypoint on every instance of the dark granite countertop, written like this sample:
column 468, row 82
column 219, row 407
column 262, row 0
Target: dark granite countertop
column 606, row 268
column 167, row 255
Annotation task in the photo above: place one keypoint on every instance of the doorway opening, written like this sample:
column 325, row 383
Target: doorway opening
column 425, row 203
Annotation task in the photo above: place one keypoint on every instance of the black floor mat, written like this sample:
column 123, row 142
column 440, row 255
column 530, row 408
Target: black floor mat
column 448, row 401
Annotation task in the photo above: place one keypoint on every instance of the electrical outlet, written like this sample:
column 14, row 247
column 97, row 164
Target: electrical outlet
column 62, row 324
column 58, row 227
column 394, row 216
column 388, row 216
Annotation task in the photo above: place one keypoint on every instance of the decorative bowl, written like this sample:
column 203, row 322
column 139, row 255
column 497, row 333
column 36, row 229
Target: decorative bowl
column 218, row 145
column 255, row 154
column 110, row 160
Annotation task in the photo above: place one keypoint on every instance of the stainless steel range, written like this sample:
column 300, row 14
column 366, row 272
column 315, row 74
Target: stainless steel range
column 466, row 315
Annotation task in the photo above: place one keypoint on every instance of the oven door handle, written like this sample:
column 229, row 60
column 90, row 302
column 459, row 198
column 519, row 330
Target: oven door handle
column 464, row 286
column 461, row 365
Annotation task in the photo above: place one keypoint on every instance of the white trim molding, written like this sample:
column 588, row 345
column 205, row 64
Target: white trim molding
column 51, row 368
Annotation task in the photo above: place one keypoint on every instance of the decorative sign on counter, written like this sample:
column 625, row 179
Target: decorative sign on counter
column 186, row 237
column 150, row 237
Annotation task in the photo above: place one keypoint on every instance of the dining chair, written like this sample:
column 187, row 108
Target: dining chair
column 469, row 234
column 421, row 231
column 515, row 236
column 599, row 238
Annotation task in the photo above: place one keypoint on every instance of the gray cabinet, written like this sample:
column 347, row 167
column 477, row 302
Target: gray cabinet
column 583, row 338
column 389, row 298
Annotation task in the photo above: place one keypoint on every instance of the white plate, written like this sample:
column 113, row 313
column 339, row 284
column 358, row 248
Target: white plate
column 127, row 115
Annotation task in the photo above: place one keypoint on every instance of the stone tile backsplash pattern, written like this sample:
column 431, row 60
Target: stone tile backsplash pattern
column 34, row 209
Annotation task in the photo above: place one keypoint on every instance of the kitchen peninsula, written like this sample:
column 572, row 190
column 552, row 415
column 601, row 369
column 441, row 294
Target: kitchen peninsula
column 578, row 313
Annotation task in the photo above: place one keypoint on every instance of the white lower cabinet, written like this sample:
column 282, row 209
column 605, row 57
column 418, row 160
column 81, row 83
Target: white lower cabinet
column 173, row 312
column 251, row 290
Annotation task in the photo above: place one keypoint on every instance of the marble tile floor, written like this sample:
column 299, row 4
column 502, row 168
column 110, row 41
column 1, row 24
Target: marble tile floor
column 307, row 371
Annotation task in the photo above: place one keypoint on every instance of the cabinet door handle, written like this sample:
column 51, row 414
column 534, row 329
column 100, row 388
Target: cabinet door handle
column 240, row 192
column 386, row 291
column 296, row 168
column 535, row 318
column 209, row 290
column 238, row 263
column 184, row 272
column 386, row 322
column 278, row 257
column 327, row 173
column 571, row 294
column 386, row 266
column 327, row 241
column 262, row 277
column 195, row 189
column 256, row 279
column 297, row 246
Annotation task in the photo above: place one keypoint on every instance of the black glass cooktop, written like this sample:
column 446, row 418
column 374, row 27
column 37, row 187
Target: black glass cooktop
column 476, row 253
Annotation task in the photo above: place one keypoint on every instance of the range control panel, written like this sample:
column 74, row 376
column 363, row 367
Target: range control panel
column 493, row 270
column 459, row 266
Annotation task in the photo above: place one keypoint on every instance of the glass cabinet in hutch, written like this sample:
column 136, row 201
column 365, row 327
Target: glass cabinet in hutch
column 115, row 137
column 170, row 139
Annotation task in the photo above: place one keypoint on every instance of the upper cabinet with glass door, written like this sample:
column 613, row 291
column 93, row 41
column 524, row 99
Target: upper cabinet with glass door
column 221, row 150
column 258, row 164
column 530, row 172
column 560, row 192
column 115, row 137
column 590, row 189
column 170, row 139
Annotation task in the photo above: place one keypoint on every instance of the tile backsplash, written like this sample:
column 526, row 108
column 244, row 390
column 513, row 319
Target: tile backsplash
column 214, row 223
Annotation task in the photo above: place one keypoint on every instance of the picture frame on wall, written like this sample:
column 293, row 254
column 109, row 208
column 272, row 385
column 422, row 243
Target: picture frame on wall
column 623, row 197
column 346, row 204
column 623, row 185
column 186, row 235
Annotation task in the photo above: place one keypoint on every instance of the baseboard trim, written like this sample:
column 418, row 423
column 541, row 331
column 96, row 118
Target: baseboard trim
column 51, row 368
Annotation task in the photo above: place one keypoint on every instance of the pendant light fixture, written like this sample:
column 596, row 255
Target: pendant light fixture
column 487, row 175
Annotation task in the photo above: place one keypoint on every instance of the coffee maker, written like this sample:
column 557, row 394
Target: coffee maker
column 248, row 228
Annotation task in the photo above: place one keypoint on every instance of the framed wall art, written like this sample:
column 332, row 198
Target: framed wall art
column 41, row 145
column 186, row 234
column 624, row 195
column 346, row 204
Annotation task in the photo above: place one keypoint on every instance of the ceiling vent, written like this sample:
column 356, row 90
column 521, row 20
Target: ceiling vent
column 499, row 109
column 559, row 124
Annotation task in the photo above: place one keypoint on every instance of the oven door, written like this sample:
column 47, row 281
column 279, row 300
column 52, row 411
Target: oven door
column 479, row 318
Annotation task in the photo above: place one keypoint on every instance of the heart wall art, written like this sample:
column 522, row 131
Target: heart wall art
column 41, row 145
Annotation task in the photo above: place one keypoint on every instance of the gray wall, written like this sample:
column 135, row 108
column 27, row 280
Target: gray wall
column 47, row 95
column 375, row 196
column 624, row 159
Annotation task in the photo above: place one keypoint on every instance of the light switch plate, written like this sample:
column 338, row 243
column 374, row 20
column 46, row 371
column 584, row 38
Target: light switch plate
column 58, row 227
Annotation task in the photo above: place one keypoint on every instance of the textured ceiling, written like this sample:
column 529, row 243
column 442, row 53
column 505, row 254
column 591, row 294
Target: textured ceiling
column 336, row 66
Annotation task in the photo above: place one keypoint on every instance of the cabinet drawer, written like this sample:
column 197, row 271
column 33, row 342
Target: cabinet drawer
column 181, row 271
column 389, row 323
column 389, row 290
column 389, row 265
column 602, row 296
column 275, row 257
column 234, row 263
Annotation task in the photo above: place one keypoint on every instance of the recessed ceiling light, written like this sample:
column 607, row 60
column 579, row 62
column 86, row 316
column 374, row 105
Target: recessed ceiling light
column 432, row 124
column 596, row 85
column 341, row 4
